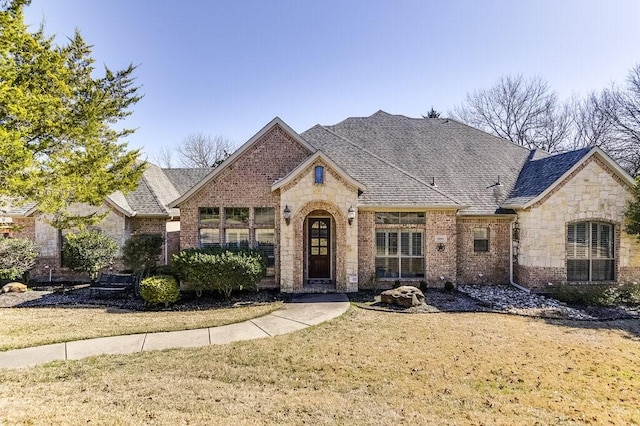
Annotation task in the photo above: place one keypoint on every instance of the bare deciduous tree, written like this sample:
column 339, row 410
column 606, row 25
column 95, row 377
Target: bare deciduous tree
column 164, row 157
column 624, row 111
column 611, row 120
column 525, row 111
column 592, row 124
column 202, row 151
column 197, row 150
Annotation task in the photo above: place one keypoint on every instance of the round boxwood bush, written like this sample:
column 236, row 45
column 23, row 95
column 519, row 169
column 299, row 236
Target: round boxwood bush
column 159, row 289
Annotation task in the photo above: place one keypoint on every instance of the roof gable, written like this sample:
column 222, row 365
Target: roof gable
column 276, row 122
column 309, row 161
column 540, row 177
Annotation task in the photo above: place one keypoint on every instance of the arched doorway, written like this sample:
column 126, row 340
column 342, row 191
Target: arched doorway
column 320, row 251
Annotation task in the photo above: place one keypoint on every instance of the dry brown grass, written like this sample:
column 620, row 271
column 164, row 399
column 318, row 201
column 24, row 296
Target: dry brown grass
column 25, row 327
column 363, row 368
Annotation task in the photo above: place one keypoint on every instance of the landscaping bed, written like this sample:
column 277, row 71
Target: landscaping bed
column 499, row 299
column 81, row 295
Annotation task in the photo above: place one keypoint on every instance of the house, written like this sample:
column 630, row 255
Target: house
column 143, row 211
column 376, row 200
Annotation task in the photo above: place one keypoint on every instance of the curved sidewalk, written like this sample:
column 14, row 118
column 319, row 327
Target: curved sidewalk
column 303, row 311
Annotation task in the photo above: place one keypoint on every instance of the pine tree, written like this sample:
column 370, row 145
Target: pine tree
column 57, row 141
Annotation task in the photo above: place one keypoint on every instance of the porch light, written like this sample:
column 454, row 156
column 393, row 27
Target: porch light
column 286, row 214
column 351, row 214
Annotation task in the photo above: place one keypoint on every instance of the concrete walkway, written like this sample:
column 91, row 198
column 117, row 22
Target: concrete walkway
column 303, row 311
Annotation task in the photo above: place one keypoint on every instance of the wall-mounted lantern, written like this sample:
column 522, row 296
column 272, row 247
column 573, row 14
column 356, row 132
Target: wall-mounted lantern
column 286, row 214
column 351, row 214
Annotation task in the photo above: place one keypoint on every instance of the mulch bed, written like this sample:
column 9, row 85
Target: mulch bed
column 81, row 296
column 437, row 300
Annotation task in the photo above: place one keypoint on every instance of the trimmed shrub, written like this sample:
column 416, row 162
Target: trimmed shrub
column 17, row 256
column 159, row 289
column 597, row 295
column 141, row 252
column 220, row 270
column 89, row 251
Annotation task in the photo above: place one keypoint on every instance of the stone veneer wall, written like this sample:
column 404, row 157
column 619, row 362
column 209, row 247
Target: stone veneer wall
column 246, row 183
column 438, row 224
column 491, row 267
column 47, row 237
column 303, row 197
column 367, row 249
column 591, row 192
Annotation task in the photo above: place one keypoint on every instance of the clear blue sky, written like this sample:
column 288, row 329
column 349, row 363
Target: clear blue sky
column 229, row 67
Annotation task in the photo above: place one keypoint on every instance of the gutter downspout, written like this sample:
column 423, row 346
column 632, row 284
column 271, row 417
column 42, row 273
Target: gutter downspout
column 166, row 243
column 511, row 258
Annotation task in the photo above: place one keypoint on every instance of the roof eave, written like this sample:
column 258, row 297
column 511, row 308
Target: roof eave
column 119, row 208
column 378, row 207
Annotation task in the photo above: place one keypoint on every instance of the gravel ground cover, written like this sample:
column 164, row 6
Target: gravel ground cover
column 501, row 299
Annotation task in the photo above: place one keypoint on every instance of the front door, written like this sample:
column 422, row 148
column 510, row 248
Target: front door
column 319, row 233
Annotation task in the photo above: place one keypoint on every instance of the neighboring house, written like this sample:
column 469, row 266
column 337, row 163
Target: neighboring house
column 143, row 211
column 370, row 201
column 375, row 200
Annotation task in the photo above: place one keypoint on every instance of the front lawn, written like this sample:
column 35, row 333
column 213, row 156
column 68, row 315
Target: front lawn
column 365, row 367
column 25, row 327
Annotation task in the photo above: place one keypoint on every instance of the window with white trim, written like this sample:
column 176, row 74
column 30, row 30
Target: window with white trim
column 399, row 253
column 590, row 254
column 480, row 240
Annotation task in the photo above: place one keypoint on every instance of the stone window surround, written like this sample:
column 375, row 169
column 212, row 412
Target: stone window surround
column 318, row 175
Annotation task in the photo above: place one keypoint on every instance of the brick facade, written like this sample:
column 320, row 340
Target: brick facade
column 439, row 260
column 246, row 182
column 477, row 267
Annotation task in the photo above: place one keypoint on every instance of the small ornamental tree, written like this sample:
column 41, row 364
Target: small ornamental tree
column 141, row 252
column 89, row 251
column 17, row 256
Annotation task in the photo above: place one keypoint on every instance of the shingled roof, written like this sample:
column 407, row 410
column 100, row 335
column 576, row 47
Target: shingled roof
column 157, row 188
column 539, row 174
column 399, row 158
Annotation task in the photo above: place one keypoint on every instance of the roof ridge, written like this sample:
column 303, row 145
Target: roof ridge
column 558, row 154
column 390, row 164
column 494, row 136
column 153, row 193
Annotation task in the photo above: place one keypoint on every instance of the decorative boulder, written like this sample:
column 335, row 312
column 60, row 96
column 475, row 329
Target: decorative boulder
column 14, row 288
column 406, row 296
